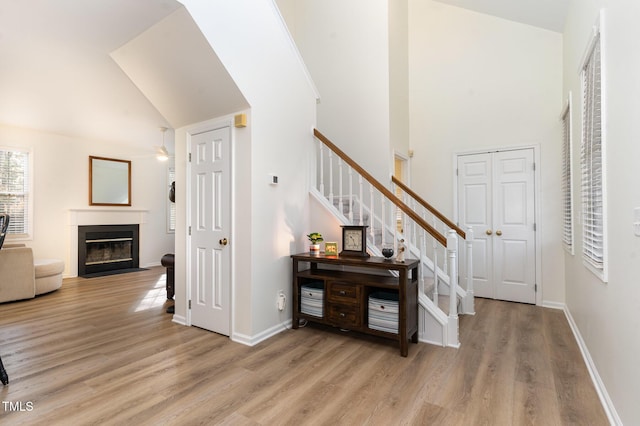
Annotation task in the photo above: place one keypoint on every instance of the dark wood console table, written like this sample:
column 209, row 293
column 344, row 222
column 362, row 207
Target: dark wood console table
column 347, row 283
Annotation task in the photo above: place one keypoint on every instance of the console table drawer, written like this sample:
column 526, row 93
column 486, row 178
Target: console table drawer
column 344, row 315
column 344, row 292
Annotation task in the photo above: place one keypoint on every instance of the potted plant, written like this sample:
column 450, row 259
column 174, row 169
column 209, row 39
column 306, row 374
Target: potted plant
column 315, row 238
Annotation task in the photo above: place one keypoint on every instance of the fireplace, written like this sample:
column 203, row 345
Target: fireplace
column 107, row 249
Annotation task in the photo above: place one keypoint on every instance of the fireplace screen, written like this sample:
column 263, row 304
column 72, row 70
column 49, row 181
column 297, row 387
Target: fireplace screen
column 105, row 248
column 108, row 251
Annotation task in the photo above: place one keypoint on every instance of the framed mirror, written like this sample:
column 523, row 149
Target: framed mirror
column 109, row 182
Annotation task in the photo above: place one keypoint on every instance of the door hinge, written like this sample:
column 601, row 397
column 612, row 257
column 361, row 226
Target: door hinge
column 456, row 172
column 535, row 228
column 189, row 157
column 189, row 304
column 534, row 167
column 189, row 231
column 535, row 289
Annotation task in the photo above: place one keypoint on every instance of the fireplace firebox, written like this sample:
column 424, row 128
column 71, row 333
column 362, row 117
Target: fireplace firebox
column 107, row 248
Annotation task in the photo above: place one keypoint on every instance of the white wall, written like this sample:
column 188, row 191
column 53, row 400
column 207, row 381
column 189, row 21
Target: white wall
column 345, row 45
column 399, row 75
column 479, row 82
column 269, row 221
column 608, row 314
column 61, row 182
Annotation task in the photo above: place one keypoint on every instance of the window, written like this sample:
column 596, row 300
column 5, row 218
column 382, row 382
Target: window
column 15, row 190
column 594, row 237
column 171, row 206
column 567, row 181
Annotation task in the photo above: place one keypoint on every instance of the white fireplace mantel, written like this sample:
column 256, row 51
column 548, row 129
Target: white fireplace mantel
column 118, row 216
column 101, row 216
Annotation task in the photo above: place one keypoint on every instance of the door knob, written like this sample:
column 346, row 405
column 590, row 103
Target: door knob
column 223, row 242
column 489, row 232
column 498, row 232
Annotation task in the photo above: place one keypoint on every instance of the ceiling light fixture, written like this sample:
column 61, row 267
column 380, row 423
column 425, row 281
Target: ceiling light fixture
column 163, row 154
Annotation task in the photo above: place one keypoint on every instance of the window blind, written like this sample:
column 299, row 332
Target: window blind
column 567, row 196
column 591, row 160
column 14, row 190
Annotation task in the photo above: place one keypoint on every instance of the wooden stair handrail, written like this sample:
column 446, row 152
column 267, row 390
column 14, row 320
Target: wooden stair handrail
column 390, row 195
column 429, row 207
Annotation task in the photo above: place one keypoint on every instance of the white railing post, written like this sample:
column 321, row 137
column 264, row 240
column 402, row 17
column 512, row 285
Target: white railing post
column 452, row 252
column 382, row 219
column 434, row 247
column 321, row 155
column 372, row 216
column 350, row 195
column 341, row 198
column 331, row 177
column 360, row 200
column 470, row 304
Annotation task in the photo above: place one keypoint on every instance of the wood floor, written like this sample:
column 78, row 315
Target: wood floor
column 103, row 351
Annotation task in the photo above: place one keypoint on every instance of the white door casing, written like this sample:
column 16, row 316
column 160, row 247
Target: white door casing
column 496, row 197
column 210, row 224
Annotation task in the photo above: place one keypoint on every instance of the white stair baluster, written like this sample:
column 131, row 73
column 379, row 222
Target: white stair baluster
column 331, row 177
column 382, row 219
column 434, row 247
column 321, row 155
column 361, row 193
column 372, row 216
column 350, row 195
column 341, row 199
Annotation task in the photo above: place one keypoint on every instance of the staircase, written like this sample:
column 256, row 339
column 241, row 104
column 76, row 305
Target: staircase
column 354, row 197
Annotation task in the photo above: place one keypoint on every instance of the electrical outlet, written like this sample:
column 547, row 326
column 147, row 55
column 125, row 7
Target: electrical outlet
column 282, row 300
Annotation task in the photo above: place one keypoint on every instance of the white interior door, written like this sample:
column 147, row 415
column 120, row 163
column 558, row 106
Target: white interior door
column 210, row 230
column 496, row 197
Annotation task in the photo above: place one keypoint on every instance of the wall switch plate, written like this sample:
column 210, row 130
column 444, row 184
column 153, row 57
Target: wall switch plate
column 273, row 179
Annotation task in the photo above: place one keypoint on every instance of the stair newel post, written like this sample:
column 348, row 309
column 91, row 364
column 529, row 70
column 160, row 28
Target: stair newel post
column 470, row 308
column 452, row 253
column 331, row 177
column 350, row 172
column 361, row 193
column 321, row 188
column 341, row 199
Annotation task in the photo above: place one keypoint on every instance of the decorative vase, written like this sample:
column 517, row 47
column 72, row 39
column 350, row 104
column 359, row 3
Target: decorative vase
column 314, row 248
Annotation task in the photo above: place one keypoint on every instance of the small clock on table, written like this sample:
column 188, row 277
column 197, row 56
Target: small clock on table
column 354, row 241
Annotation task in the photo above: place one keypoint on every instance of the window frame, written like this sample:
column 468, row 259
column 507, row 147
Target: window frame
column 598, row 266
column 28, row 214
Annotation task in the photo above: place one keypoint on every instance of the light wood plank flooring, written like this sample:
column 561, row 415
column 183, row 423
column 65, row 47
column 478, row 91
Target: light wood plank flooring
column 103, row 351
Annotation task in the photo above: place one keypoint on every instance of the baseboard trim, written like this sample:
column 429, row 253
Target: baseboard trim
column 605, row 400
column 254, row 340
column 553, row 305
column 179, row 319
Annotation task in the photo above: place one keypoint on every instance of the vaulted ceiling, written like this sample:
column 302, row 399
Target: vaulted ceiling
column 548, row 14
column 108, row 69
column 112, row 70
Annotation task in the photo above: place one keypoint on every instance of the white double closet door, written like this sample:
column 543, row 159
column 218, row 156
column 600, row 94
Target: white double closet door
column 496, row 197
